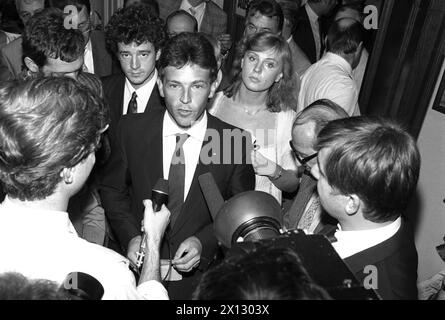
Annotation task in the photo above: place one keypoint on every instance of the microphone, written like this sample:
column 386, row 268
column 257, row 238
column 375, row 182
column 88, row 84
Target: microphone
column 159, row 196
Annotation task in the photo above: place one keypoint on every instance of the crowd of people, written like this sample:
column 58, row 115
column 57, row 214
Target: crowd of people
column 91, row 120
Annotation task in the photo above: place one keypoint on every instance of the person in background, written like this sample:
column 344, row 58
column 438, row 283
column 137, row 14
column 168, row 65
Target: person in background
column 180, row 21
column 152, row 4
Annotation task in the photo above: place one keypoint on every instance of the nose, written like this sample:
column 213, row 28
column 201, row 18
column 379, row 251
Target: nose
column 135, row 63
column 185, row 96
column 315, row 171
column 257, row 67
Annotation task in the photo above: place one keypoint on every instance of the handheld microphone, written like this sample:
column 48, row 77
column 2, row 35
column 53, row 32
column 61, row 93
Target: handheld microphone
column 159, row 196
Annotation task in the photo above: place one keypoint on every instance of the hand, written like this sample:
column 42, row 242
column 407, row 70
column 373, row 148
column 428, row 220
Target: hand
column 155, row 223
column 262, row 165
column 192, row 248
column 133, row 248
column 226, row 42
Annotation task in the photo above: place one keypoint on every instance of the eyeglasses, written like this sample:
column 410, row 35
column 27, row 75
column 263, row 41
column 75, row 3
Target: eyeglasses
column 305, row 160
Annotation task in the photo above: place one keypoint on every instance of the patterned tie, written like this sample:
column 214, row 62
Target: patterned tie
column 133, row 104
column 308, row 216
column 176, row 179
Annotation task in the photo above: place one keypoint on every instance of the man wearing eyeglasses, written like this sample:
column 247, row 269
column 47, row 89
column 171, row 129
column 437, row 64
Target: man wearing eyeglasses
column 306, row 212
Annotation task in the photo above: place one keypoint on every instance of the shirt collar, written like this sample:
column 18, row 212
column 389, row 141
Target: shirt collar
column 143, row 92
column 88, row 45
column 186, row 6
column 197, row 131
column 311, row 13
column 339, row 61
column 290, row 39
column 43, row 221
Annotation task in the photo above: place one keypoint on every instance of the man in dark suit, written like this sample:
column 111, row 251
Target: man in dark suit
column 135, row 36
column 179, row 145
column 305, row 212
column 367, row 171
column 310, row 28
column 211, row 18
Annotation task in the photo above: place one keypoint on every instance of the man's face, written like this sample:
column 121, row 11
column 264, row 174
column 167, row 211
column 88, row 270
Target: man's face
column 59, row 68
column 330, row 199
column 303, row 137
column 27, row 8
column 178, row 24
column 258, row 23
column 138, row 62
column 84, row 23
column 186, row 91
column 260, row 70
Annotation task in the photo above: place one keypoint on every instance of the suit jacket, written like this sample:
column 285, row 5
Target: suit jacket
column 214, row 21
column 114, row 87
column 299, row 59
column 292, row 216
column 303, row 35
column 135, row 166
column 396, row 263
column 11, row 58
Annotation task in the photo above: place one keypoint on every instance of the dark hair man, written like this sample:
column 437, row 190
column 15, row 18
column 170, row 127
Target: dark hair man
column 136, row 37
column 174, row 145
column 265, row 273
column 331, row 77
column 311, row 27
column 49, row 131
column 97, row 60
column 305, row 212
column 367, row 172
column 263, row 15
column 152, row 4
column 180, row 21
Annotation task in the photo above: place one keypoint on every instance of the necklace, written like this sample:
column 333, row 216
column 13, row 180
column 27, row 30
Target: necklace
column 250, row 113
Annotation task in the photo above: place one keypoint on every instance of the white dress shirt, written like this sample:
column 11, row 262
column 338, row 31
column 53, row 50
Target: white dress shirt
column 352, row 242
column 42, row 244
column 143, row 93
column 192, row 146
column 315, row 26
column 198, row 11
column 330, row 78
column 88, row 58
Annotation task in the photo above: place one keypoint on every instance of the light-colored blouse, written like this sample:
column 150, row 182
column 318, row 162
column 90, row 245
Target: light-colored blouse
column 271, row 131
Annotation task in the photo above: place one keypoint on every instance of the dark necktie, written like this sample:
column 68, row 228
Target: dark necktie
column 133, row 104
column 176, row 179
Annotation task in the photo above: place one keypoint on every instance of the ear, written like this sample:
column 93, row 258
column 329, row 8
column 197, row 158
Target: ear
column 160, row 87
column 214, row 86
column 352, row 204
column 67, row 175
column 279, row 77
column 158, row 54
column 31, row 65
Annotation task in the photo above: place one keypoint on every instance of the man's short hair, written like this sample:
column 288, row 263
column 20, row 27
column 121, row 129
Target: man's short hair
column 268, row 8
column 182, row 13
column 375, row 159
column 320, row 112
column 46, row 37
column 188, row 48
column 46, row 125
column 136, row 24
column 79, row 4
column 345, row 36
column 152, row 4
column 265, row 273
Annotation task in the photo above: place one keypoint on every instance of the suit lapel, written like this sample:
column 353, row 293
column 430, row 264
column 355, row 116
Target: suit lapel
column 153, row 149
column 303, row 196
column 155, row 102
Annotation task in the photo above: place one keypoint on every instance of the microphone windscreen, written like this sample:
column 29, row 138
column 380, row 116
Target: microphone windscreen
column 159, row 194
column 212, row 195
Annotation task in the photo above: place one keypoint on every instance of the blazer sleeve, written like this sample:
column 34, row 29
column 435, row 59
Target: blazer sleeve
column 115, row 192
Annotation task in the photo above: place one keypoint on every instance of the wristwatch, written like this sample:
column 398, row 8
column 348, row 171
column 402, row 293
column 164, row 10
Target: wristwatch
column 277, row 174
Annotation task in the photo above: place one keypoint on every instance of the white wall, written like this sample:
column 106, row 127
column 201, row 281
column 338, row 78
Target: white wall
column 430, row 227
